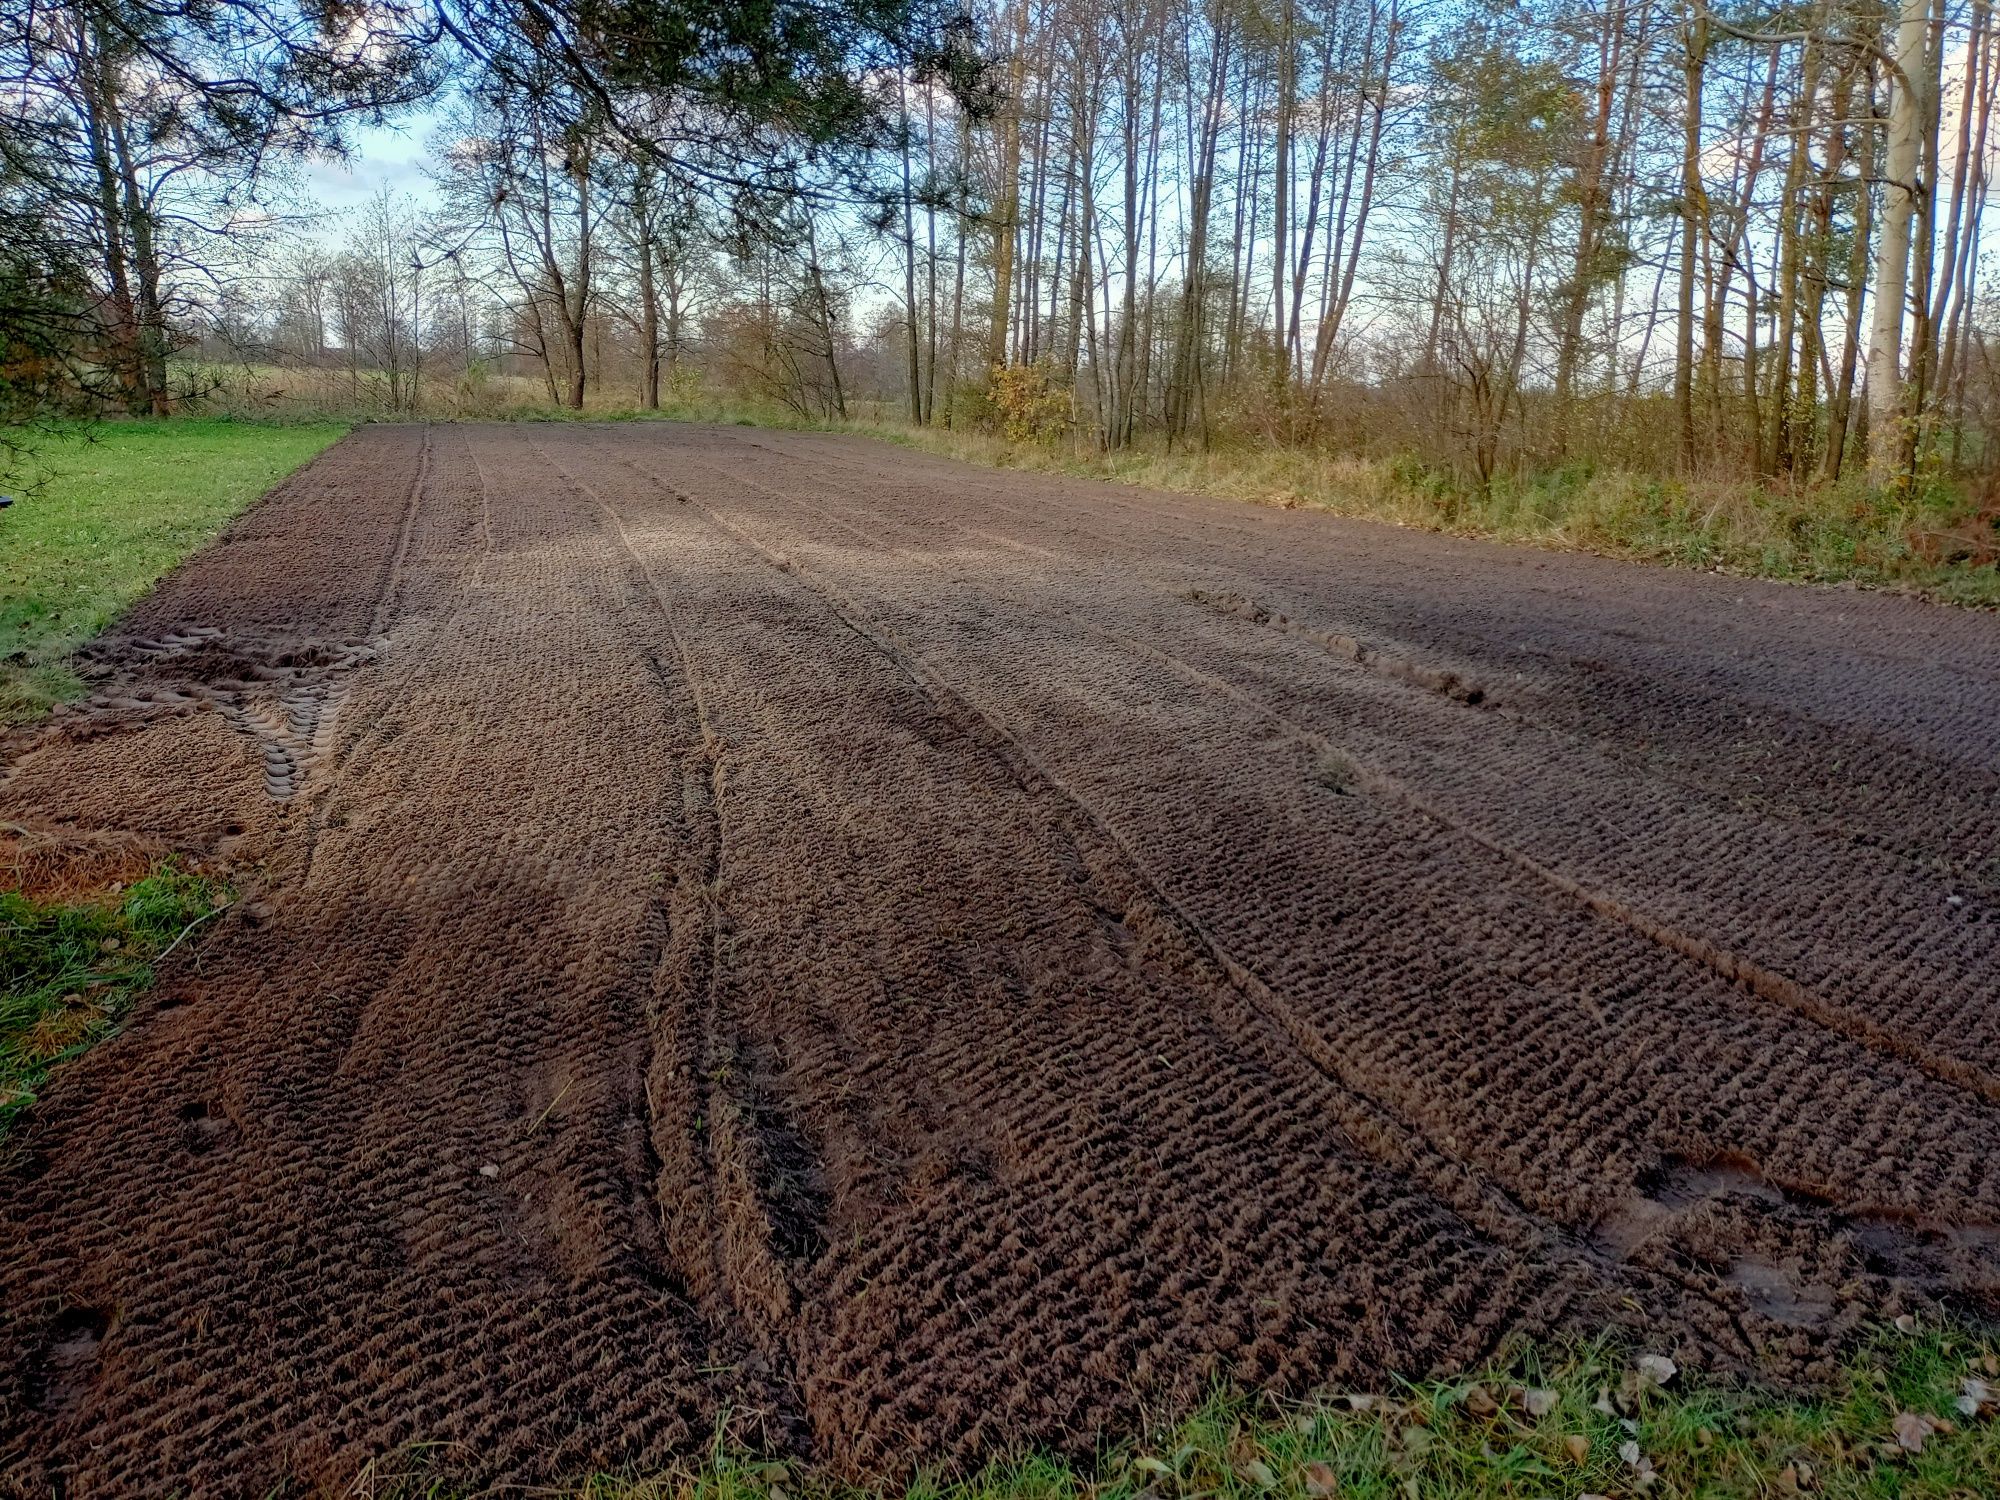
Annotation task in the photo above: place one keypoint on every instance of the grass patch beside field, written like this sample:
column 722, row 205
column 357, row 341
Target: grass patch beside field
column 69, row 969
column 1910, row 1415
column 101, row 518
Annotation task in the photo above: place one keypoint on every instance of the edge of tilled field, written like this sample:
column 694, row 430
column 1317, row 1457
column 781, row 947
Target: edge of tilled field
column 1887, row 1426
column 1683, row 540
column 1914, row 1413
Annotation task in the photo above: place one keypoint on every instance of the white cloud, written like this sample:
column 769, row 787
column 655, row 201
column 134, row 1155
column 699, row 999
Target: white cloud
column 391, row 157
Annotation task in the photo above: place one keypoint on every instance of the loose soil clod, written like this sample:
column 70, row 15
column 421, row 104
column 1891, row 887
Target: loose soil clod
column 773, row 925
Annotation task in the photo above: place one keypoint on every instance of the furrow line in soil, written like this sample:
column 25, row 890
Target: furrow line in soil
column 1935, row 813
column 1862, row 1201
column 1914, row 1037
column 702, row 1148
column 1485, row 1202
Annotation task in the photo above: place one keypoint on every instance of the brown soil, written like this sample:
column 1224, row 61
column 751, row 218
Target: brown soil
column 72, row 865
column 921, row 960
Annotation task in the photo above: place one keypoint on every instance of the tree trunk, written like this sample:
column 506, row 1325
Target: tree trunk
column 100, row 107
column 1007, row 200
column 152, row 320
column 1591, row 215
column 1887, row 429
column 910, row 320
column 1694, row 209
column 1840, row 404
column 1788, row 417
column 824, row 304
column 649, row 322
column 1378, row 108
column 1281, row 186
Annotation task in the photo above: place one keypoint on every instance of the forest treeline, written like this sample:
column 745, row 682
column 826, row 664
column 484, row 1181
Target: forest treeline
column 1490, row 239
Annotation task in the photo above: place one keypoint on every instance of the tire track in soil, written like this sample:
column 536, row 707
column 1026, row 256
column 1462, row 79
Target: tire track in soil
column 1732, row 968
column 278, row 687
column 730, row 1234
column 879, row 966
column 1570, row 682
column 1483, row 1204
column 387, row 1032
column 1557, row 1264
column 1728, row 960
column 392, row 581
column 1859, row 1202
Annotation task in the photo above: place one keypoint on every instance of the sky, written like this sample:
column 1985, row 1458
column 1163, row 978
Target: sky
column 379, row 156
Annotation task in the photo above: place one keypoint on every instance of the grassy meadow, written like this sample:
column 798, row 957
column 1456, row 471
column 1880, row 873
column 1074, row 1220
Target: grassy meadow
column 99, row 516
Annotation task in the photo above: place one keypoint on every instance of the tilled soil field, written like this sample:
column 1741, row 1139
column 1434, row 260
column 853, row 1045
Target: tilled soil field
column 920, row 960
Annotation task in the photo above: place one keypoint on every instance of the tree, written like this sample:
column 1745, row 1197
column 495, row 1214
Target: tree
column 1512, row 124
column 135, row 94
column 1906, row 194
column 658, row 235
column 382, row 311
column 521, row 167
column 132, row 136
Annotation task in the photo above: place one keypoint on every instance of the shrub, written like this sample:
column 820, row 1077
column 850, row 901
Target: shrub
column 1029, row 402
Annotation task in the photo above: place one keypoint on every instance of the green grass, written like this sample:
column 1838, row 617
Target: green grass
column 69, row 970
column 102, row 517
column 1583, row 1421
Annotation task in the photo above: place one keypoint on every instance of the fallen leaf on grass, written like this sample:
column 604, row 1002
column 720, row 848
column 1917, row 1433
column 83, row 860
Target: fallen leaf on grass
column 1146, row 1463
column 1974, row 1396
column 1320, row 1479
column 1643, row 1473
column 1538, row 1402
column 1912, row 1431
column 1578, row 1446
column 1479, row 1401
column 1655, row 1370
